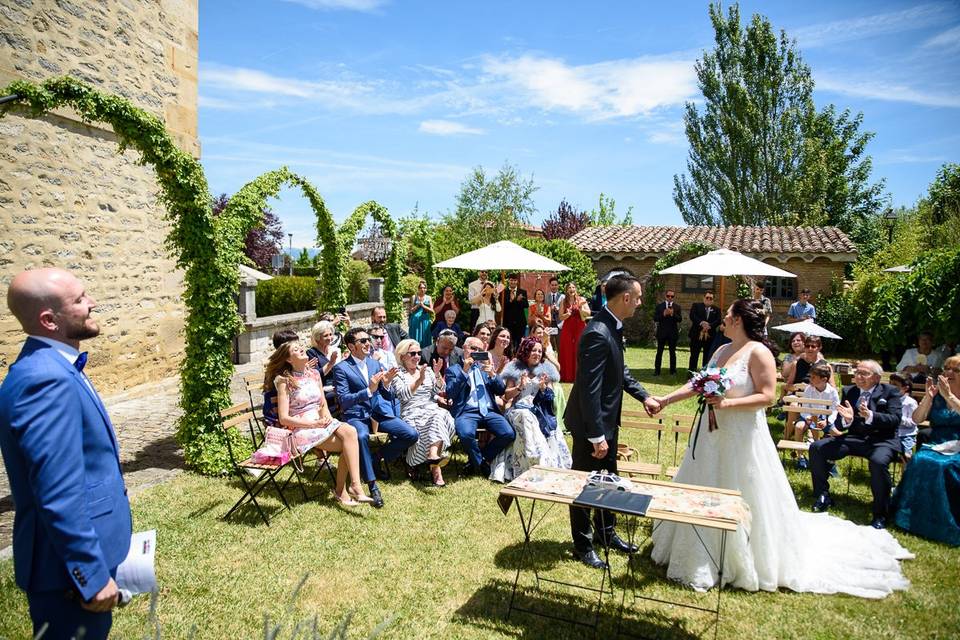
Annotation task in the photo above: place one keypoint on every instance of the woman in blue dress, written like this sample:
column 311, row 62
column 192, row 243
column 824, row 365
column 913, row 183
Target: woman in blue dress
column 421, row 315
column 927, row 501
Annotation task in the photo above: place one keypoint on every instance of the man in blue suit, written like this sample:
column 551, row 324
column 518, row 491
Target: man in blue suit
column 363, row 390
column 472, row 390
column 72, row 522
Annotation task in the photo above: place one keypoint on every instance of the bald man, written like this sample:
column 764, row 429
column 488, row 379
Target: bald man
column 72, row 523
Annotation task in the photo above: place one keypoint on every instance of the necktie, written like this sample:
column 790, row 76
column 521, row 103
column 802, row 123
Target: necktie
column 708, row 313
column 81, row 362
column 480, row 392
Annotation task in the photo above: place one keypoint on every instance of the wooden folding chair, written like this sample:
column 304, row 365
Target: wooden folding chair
column 681, row 425
column 254, row 476
column 254, row 386
column 795, row 406
column 641, row 421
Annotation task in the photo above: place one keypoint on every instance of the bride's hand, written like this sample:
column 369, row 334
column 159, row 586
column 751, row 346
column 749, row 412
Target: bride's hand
column 718, row 402
column 652, row 406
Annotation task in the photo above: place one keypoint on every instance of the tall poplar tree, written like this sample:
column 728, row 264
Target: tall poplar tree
column 760, row 153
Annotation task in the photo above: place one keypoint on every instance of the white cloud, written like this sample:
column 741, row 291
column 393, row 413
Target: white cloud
column 240, row 79
column 864, row 27
column 447, row 128
column 348, row 5
column 617, row 88
column 879, row 89
column 949, row 40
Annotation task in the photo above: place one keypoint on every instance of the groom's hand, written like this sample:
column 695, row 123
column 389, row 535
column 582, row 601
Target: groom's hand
column 652, row 406
column 600, row 450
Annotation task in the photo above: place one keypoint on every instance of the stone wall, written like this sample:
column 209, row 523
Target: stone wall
column 67, row 198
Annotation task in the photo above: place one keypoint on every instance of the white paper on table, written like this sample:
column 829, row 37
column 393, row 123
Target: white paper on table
column 136, row 573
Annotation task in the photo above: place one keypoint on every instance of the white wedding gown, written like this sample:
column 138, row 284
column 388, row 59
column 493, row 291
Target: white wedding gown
column 784, row 547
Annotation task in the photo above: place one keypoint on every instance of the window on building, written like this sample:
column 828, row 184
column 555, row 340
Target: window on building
column 697, row 284
column 782, row 288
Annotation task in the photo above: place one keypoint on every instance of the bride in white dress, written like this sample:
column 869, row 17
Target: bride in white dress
column 784, row 547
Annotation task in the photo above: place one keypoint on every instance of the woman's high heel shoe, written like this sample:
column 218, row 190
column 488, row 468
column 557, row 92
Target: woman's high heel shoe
column 345, row 501
column 360, row 497
column 437, row 476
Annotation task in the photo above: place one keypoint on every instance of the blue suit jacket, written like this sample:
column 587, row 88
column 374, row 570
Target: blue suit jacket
column 72, row 524
column 352, row 392
column 458, row 389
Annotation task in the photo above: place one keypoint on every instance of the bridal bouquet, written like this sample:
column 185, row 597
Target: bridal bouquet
column 709, row 382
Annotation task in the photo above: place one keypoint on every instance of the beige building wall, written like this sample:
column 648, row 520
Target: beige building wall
column 67, row 198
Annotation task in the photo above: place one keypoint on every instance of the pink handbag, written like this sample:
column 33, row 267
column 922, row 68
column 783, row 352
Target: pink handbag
column 277, row 447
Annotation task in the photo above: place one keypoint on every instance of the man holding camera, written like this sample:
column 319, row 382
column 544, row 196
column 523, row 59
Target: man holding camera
column 472, row 390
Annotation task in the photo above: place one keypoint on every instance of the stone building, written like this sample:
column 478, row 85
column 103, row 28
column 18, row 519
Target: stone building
column 67, row 198
column 817, row 255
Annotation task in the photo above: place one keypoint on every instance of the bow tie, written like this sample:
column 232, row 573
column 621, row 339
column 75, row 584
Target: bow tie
column 81, row 362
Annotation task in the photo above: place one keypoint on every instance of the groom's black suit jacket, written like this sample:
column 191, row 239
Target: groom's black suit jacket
column 886, row 404
column 593, row 409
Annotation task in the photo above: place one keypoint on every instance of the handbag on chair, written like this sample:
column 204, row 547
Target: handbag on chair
column 278, row 447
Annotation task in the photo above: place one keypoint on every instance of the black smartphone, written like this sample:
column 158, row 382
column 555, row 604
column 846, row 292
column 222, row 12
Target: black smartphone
column 342, row 310
column 481, row 356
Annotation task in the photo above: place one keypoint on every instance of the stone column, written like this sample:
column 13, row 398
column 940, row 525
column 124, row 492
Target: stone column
column 247, row 302
column 375, row 293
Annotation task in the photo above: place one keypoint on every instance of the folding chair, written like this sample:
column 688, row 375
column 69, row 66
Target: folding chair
column 797, row 405
column 254, row 476
column 640, row 420
column 681, row 425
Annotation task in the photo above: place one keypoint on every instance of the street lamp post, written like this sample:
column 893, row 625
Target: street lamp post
column 290, row 253
column 891, row 217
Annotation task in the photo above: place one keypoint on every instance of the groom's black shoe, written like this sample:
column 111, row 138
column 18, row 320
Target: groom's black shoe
column 879, row 523
column 616, row 543
column 822, row 503
column 590, row 558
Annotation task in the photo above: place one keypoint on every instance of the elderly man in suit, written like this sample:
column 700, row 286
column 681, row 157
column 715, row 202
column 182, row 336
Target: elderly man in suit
column 668, row 317
column 593, row 410
column 705, row 317
column 445, row 348
column 72, row 523
column 869, row 414
column 472, row 390
column 363, row 390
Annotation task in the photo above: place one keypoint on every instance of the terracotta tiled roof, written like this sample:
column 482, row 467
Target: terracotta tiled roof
column 652, row 240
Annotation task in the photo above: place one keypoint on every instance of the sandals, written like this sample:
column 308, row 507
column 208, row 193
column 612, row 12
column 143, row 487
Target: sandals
column 438, row 462
column 361, row 498
column 437, row 476
column 346, row 501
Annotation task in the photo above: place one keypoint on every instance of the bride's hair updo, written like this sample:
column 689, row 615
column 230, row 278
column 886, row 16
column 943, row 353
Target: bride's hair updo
column 754, row 318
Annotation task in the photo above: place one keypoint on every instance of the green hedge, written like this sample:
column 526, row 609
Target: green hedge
column 286, row 294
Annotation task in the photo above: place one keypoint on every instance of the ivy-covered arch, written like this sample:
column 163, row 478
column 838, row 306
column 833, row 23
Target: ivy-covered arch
column 210, row 278
column 244, row 212
column 347, row 235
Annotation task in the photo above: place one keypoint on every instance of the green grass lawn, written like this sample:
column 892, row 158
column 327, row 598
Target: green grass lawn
column 443, row 562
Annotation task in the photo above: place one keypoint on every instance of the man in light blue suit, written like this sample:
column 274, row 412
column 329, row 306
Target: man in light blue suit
column 363, row 392
column 72, row 522
column 472, row 390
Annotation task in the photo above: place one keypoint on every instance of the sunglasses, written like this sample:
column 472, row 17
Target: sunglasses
column 377, row 337
column 413, row 353
column 363, row 340
column 669, row 295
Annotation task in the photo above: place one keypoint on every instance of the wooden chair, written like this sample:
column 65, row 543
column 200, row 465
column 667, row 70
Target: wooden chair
column 682, row 425
column 640, row 420
column 254, row 476
column 254, row 386
column 797, row 405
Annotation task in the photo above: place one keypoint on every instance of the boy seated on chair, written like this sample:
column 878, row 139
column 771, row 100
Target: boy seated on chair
column 907, row 431
column 810, row 427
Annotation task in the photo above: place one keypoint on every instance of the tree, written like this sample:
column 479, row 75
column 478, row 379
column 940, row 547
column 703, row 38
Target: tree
column 606, row 213
column 760, row 153
column 492, row 208
column 940, row 209
column 564, row 223
column 262, row 242
column 303, row 260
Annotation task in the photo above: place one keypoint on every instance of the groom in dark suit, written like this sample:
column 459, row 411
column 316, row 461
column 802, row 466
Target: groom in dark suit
column 593, row 411
column 668, row 317
column 72, row 525
column 704, row 320
column 869, row 414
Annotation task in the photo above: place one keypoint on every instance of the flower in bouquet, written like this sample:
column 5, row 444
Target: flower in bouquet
column 709, row 382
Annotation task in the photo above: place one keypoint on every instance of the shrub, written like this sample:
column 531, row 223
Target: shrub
column 286, row 294
column 357, row 275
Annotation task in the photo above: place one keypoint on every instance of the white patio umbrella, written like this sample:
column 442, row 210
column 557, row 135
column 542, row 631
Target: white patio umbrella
column 725, row 262
column 900, row 269
column 808, row 327
column 502, row 256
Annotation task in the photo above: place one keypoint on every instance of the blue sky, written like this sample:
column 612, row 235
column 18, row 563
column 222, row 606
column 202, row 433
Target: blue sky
column 397, row 100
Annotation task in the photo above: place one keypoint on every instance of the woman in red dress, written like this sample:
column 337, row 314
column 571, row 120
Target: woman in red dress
column 574, row 313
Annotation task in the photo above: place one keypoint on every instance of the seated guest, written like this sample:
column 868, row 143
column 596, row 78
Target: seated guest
column 269, row 410
column 868, row 416
column 907, row 432
column 472, row 389
column 809, row 427
column 926, row 501
column 444, row 349
column 549, row 355
column 378, row 338
column 325, row 356
column 794, row 351
column 301, row 408
column 363, row 390
column 488, row 304
column 500, row 348
column 417, row 387
column 449, row 322
column 539, row 440
column 921, row 360
column 395, row 333
column 483, row 332
column 447, row 302
column 800, row 371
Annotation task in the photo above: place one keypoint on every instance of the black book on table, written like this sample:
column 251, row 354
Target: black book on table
column 613, row 500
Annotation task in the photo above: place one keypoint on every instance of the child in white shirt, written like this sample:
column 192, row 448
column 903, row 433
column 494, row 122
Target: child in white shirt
column 907, row 431
column 809, row 426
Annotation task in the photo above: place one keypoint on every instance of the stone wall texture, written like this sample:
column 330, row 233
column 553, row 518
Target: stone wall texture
column 68, row 198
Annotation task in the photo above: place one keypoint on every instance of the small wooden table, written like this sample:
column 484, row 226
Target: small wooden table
column 671, row 502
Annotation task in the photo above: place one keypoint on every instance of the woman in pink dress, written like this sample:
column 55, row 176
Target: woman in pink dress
column 302, row 408
column 574, row 313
